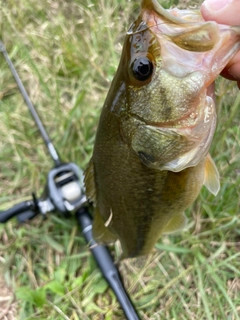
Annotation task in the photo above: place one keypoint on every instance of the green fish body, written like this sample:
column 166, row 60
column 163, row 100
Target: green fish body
column 150, row 156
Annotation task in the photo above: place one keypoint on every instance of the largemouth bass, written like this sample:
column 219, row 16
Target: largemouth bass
column 150, row 156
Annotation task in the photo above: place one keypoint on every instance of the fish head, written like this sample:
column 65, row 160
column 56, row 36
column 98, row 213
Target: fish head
column 163, row 91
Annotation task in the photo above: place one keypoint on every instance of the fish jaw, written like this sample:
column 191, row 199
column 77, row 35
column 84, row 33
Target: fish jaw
column 164, row 147
column 207, row 46
column 178, row 102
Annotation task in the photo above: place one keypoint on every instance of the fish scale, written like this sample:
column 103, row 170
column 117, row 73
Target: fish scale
column 150, row 156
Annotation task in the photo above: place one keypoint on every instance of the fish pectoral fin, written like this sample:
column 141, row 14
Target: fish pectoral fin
column 101, row 233
column 211, row 176
column 89, row 182
column 176, row 223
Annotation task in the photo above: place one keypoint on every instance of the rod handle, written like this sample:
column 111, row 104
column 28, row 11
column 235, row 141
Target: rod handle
column 16, row 210
column 106, row 265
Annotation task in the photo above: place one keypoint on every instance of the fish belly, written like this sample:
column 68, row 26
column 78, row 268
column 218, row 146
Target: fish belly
column 135, row 203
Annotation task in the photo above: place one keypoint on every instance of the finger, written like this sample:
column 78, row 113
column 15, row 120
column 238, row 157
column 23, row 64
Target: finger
column 225, row 12
column 232, row 70
column 222, row 11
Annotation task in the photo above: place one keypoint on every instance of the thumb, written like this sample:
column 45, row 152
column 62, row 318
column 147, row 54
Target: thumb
column 225, row 12
column 222, row 11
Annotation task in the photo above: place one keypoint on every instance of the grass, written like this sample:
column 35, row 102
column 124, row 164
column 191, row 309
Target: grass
column 66, row 53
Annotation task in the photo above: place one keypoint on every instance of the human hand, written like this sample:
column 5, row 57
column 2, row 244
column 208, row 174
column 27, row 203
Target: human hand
column 225, row 12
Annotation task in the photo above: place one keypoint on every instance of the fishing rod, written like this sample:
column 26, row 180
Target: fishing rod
column 64, row 193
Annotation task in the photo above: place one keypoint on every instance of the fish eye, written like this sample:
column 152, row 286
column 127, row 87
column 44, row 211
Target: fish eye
column 142, row 68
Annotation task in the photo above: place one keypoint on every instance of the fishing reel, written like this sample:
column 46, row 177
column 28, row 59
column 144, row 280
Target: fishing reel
column 64, row 193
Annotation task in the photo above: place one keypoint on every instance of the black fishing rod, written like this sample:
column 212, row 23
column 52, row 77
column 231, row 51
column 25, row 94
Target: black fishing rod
column 45, row 136
column 65, row 194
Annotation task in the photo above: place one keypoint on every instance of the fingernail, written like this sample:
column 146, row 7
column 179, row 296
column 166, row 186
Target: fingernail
column 216, row 4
